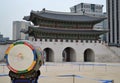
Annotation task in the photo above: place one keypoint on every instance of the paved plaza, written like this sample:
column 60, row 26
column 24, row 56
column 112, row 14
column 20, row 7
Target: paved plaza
column 73, row 72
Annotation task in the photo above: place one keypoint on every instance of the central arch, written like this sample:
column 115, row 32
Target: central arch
column 69, row 55
column 49, row 54
column 89, row 55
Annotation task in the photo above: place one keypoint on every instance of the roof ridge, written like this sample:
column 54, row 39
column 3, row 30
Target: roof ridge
column 66, row 13
column 57, row 12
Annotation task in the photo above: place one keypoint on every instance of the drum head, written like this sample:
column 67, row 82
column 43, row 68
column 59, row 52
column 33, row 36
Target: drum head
column 21, row 58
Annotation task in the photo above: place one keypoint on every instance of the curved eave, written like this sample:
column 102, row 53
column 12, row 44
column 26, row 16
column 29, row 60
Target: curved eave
column 66, row 31
column 27, row 18
column 69, row 17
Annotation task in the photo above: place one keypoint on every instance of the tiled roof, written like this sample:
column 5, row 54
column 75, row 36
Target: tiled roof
column 63, row 16
column 68, row 31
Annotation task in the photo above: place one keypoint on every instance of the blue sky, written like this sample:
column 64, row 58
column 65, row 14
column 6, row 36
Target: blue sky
column 15, row 10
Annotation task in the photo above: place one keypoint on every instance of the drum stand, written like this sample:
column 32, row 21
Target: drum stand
column 30, row 77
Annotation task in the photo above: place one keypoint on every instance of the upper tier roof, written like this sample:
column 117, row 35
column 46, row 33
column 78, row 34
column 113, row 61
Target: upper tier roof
column 63, row 16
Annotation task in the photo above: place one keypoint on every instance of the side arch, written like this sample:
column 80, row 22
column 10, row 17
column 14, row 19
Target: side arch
column 49, row 54
column 89, row 55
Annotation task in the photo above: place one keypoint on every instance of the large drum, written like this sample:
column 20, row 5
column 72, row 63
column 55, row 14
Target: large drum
column 22, row 57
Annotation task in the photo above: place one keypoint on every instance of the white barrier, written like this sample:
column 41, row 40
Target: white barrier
column 3, row 67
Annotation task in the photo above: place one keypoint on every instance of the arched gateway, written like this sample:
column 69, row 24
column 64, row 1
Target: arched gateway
column 49, row 54
column 69, row 55
column 89, row 55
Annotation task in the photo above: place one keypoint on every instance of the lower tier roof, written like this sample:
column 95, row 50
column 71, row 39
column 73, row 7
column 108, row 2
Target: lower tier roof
column 57, row 33
column 65, row 31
